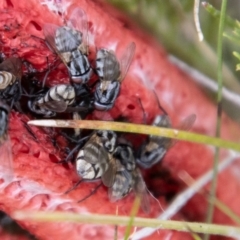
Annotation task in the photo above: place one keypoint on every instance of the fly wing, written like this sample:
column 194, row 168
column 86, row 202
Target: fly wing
column 121, row 186
column 49, row 31
column 126, row 59
column 78, row 20
column 185, row 125
column 12, row 65
column 140, row 189
column 111, row 67
column 55, row 106
column 109, row 176
column 6, row 159
column 188, row 122
column 76, row 109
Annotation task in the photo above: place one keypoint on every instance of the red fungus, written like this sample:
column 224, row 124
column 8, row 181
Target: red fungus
column 40, row 183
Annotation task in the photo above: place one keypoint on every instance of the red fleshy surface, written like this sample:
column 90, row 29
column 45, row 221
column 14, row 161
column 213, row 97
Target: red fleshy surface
column 40, row 183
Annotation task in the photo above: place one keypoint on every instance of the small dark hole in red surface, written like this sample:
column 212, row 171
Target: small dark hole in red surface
column 36, row 154
column 131, row 107
column 36, row 25
column 9, row 3
column 90, row 25
column 24, row 149
column 53, row 158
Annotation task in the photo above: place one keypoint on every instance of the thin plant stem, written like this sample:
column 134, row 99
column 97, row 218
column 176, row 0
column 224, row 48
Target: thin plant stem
column 139, row 129
column 221, row 230
column 182, row 198
column 213, row 188
column 134, row 212
column 196, row 19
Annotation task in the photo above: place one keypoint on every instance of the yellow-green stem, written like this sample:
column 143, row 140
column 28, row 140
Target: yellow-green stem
column 139, row 129
column 219, row 112
column 221, row 230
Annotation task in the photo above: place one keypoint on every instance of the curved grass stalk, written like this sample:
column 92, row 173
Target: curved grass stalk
column 139, row 129
column 207, row 82
column 196, row 20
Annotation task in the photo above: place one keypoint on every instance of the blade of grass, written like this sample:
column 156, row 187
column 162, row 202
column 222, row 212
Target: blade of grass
column 213, row 189
column 196, row 19
column 140, row 129
column 116, row 228
column 215, row 13
column 219, row 204
column 134, row 211
column 221, row 230
column 185, row 195
column 205, row 81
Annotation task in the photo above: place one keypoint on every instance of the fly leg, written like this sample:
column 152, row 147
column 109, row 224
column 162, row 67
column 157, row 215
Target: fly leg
column 74, row 186
column 89, row 195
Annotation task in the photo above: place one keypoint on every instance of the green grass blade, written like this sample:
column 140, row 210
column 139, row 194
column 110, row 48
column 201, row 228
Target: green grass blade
column 139, row 129
column 134, row 211
column 213, row 189
column 221, row 230
column 216, row 13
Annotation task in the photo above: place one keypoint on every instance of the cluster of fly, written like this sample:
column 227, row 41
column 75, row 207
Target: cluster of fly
column 100, row 155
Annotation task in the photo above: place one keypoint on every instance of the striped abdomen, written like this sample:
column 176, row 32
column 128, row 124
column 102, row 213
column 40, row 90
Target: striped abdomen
column 92, row 161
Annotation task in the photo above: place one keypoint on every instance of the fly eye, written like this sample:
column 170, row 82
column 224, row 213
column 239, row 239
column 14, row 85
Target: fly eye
column 110, row 136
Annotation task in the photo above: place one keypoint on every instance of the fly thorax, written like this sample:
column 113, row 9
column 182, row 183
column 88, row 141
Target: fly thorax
column 108, row 139
column 100, row 63
column 125, row 155
column 151, row 154
column 76, row 54
column 104, row 99
column 80, row 64
column 6, row 79
column 109, row 90
column 67, row 39
column 104, row 85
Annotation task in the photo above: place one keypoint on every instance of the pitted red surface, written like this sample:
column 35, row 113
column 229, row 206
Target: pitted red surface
column 40, row 183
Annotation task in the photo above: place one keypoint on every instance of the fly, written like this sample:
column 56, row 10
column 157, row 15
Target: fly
column 10, row 81
column 111, row 73
column 70, row 42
